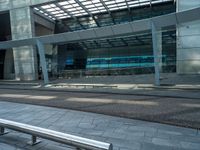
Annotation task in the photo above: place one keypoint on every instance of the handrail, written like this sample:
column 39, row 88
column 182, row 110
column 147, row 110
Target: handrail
column 68, row 139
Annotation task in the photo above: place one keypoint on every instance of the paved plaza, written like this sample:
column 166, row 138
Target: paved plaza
column 125, row 134
column 125, row 73
column 174, row 107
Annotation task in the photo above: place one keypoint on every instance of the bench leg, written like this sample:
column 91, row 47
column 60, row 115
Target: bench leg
column 34, row 141
column 2, row 131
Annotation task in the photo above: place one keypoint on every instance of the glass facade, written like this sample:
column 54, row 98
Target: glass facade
column 116, row 17
column 130, row 52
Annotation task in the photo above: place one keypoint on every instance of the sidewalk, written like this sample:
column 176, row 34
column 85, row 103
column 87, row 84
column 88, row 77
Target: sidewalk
column 130, row 82
column 125, row 134
column 175, row 91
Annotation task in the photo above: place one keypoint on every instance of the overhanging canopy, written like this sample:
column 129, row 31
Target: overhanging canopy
column 110, row 31
column 75, row 8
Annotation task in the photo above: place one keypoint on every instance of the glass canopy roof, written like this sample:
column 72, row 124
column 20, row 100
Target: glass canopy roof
column 75, row 8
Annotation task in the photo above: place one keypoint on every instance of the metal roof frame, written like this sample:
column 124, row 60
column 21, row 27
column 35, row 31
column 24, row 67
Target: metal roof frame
column 130, row 28
column 73, row 8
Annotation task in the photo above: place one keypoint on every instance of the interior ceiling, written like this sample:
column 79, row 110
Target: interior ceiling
column 75, row 8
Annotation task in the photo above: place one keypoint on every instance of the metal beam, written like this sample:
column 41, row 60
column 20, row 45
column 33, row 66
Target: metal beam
column 72, row 16
column 97, row 44
column 44, row 16
column 109, row 42
column 125, row 29
column 84, row 45
column 139, row 40
column 124, row 41
column 44, row 22
column 109, row 12
column 43, row 61
column 84, row 8
column 129, row 11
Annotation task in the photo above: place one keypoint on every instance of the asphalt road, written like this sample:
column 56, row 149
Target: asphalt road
column 170, row 110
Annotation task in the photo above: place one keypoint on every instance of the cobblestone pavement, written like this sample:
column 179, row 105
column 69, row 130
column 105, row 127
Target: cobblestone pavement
column 125, row 134
column 162, row 109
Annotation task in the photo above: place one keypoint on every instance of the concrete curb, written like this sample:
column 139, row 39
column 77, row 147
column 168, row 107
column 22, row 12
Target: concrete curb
column 140, row 92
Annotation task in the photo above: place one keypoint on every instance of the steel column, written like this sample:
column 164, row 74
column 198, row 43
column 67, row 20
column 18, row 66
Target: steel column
column 41, row 51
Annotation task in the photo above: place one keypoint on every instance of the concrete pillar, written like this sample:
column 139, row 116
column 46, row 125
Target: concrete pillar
column 159, row 42
column 188, row 45
column 44, row 27
column 12, row 4
column 4, row 5
column 157, row 51
column 9, row 65
column 22, row 27
column 55, row 61
column 41, row 51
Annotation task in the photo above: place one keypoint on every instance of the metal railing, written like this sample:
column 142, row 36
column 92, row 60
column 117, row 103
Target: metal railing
column 68, row 139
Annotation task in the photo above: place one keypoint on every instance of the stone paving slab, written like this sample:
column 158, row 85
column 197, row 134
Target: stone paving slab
column 125, row 134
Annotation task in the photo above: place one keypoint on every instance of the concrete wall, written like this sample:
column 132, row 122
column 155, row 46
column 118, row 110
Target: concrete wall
column 188, row 45
column 22, row 26
column 13, row 4
column 9, row 72
column 25, row 59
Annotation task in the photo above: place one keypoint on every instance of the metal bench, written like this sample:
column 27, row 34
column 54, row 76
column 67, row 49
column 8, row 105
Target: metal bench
column 71, row 140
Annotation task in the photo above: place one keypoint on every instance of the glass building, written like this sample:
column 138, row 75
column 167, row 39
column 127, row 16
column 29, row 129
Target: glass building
column 108, row 54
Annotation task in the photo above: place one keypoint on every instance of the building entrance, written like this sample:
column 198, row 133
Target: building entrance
column 5, row 35
column 2, row 57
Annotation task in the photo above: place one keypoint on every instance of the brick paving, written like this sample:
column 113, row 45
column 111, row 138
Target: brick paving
column 125, row 134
